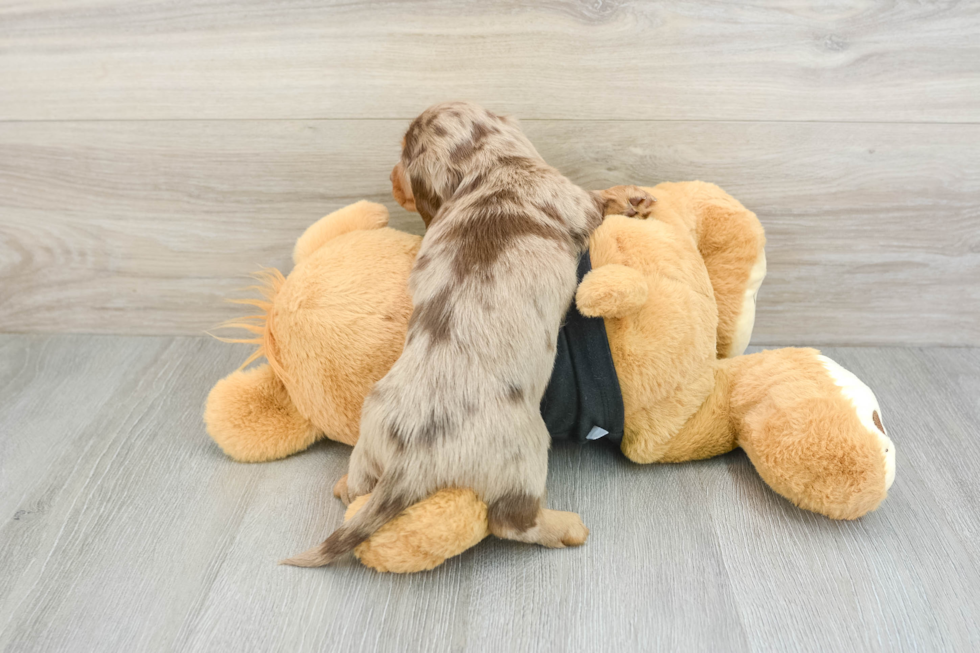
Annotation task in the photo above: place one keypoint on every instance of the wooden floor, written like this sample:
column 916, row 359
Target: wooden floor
column 125, row 529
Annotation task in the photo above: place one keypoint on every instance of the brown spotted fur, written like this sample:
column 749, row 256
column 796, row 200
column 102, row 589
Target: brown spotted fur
column 493, row 279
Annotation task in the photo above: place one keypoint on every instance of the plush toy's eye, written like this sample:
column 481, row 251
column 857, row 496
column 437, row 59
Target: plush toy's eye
column 877, row 421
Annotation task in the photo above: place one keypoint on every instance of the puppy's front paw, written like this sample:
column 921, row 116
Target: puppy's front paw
column 631, row 201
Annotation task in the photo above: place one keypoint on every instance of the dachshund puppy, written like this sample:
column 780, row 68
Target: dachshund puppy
column 494, row 277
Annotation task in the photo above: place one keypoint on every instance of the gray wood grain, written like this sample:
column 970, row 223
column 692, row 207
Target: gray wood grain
column 875, row 60
column 123, row 528
column 146, row 227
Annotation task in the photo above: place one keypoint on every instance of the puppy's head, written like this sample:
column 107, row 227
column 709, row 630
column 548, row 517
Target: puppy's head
column 446, row 144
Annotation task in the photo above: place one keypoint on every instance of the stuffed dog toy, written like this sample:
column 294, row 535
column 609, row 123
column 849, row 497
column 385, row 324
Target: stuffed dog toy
column 676, row 295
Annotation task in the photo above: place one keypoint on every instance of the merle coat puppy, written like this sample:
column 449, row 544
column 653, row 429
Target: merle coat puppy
column 495, row 274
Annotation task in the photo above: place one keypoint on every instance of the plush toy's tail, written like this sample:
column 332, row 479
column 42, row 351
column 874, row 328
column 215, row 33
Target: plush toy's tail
column 385, row 503
column 263, row 324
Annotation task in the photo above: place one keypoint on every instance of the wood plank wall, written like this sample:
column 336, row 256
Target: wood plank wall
column 153, row 153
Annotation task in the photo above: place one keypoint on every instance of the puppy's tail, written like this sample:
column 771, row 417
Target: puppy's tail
column 384, row 505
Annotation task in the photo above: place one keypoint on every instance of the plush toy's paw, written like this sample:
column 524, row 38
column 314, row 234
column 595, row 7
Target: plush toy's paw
column 611, row 291
column 425, row 534
column 631, row 201
column 251, row 417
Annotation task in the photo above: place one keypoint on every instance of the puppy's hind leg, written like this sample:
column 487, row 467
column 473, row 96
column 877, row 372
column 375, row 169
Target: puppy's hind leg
column 520, row 517
column 361, row 477
column 340, row 490
column 518, row 512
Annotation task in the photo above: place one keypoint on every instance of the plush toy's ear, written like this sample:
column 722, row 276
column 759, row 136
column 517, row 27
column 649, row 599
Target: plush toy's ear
column 426, row 534
column 357, row 216
column 251, row 417
column 611, row 291
column 732, row 242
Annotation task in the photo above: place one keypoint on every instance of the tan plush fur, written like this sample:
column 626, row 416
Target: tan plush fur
column 426, row 533
column 251, row 416
column 335, row 335
column 729, row 239
column 659, row 295
column 663, row 349
column 355, row 217
column 780, row 400
column 682, row 403
column 363, row 321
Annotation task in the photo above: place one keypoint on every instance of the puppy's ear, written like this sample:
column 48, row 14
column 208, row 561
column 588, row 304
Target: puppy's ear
column 401, row 191
column 426, row 202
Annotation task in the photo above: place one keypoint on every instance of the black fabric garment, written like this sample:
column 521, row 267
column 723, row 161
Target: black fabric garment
column 583, row 392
